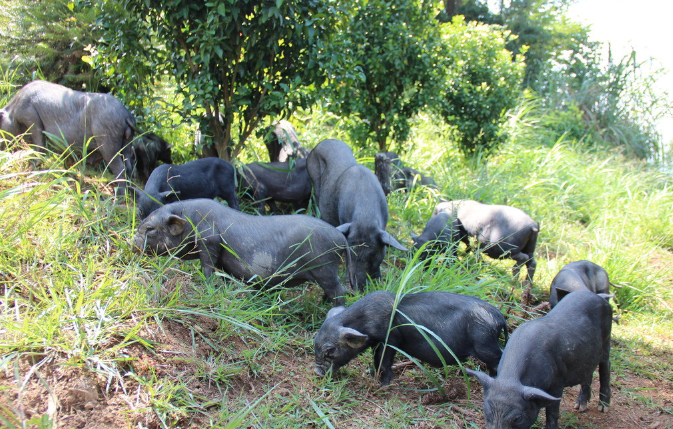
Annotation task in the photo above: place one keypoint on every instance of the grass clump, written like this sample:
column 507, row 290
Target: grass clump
column 87, row 321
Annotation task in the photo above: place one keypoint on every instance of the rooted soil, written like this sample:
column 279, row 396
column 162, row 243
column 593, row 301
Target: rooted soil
column 76, row 398
column 184, row 352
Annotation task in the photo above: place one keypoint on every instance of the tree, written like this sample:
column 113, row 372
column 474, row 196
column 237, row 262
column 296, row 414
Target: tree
column 239, row 60
column 47, row 37
column 482, row 83
column 383, row 66
column 472, row 10
column 545, row 36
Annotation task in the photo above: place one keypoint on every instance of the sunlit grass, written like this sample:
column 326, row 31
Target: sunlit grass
column 74, row 293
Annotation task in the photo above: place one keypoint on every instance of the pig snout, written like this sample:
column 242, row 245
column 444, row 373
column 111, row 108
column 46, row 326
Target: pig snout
column 138, row 244
column 320, row 370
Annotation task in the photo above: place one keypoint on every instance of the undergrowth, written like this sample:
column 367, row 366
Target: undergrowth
column 76, row 298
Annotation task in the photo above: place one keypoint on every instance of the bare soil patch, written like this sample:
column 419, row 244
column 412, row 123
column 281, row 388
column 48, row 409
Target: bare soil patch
column 78, row 398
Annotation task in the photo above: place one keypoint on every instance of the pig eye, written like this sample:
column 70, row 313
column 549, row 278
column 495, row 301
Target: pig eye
column 151, row 232
column 329, row 352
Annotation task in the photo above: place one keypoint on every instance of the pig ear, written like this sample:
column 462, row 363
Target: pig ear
column 169, row 196
column 176, row 224
column 352, row 338
column 413, row 236
column 344, row 228
column 484, row 379
column 561, row 293
column 334, row 311
column 389, row 240
column 606, row 296
column 538, row 396
column 135, row 192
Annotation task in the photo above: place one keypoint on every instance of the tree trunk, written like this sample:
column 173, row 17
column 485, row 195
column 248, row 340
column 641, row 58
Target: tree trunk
column 222, row 137
column 282, row 142
column 382, row 169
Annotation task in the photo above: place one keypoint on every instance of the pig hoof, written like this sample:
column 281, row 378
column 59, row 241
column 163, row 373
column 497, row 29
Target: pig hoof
column 603, row 408
column 580, row 407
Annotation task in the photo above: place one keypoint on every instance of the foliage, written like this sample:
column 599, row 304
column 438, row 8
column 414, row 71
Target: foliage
column 472, row 10
column 78, row 302
column 77, row 305
column 621, row 102
column 48, row 36
column 611, row 104
column 383, row 68
column 545, row 36
column 241, row 61
column 481, row 85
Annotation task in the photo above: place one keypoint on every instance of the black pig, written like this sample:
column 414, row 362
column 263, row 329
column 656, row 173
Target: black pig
column 467, row 325
column 267, row 248
column 547, row 354
column 579, row 275
column 501, row 231
column 350, row 197
column 203, row 178
column 442, row 231
column 407, row 178
column 277, row 181
column 149, row 149
column 99, row 121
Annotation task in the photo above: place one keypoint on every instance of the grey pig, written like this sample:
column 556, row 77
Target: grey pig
column 547, row 354
column 203, row 178
column 501, row 231
column 100, row 120
column 441, row 232
column 467, row 325
column 267, row 248
column 579, row 275
column 277, row 181
column 350, row 197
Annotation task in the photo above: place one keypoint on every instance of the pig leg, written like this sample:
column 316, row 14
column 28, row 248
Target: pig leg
column 490, row 356
column 529, row 249
column 553, row 412
column 35, row 128
column 116, row 161
column 333, row 289
column 229, row 195
column 383, row 363
column 583, row 397
column 118, row 170
column 207, row 263
column 37, row 134
column 529, row 261
column 261, row 195
column 604, row 378
column 530, row 268
column 521, row 259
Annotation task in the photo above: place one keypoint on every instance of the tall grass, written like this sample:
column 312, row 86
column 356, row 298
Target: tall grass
column 75, row 295
column 591, row 204
column 72, row 290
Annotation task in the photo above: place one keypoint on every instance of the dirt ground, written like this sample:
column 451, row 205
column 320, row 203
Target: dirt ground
column 76, row 398
column 51, row 385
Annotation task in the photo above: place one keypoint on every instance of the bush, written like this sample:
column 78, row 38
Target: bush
column 482, row 83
